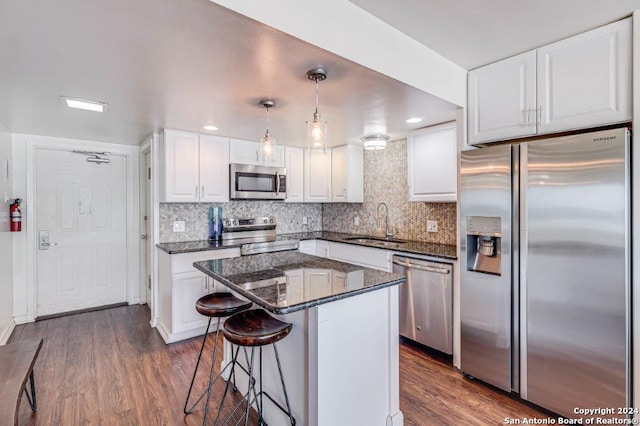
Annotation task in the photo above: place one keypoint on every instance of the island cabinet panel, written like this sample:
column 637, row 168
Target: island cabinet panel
column 340, row 362
column 180, row 285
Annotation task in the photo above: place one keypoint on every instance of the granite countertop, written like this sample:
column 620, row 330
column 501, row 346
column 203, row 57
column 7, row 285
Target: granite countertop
column 279, row 282
column 413, row 247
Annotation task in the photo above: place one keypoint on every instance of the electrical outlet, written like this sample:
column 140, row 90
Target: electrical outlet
column 432, row 226
column 179, row 226
column 356, row 220
column 305, row 220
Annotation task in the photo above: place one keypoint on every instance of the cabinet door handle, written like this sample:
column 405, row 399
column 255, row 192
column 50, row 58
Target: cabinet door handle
column 202, row 192
column 196, row 191
column 257, row 155
column 540, row 115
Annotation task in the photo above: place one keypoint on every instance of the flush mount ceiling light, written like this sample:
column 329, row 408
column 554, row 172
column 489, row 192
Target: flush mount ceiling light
column 267, row 143
column 210, row 128
column 375, row 142
column 413, row 120
column 85, row 104
column 317, row 133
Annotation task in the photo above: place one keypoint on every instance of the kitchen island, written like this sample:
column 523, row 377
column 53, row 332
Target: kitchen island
column 340, row 361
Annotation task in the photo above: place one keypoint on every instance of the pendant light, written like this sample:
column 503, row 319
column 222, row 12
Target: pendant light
column 317, row 135
column 375, row 142
column 267, row 143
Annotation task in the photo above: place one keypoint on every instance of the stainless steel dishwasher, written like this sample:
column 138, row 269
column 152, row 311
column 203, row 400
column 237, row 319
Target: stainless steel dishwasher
column 426, row 302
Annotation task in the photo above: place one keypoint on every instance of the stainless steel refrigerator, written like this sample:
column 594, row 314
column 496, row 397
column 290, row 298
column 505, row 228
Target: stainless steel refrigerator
column 545, row 273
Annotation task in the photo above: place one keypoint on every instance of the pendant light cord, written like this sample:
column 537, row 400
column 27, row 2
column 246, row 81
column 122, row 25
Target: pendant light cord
column 316, row 79
column 268, row 122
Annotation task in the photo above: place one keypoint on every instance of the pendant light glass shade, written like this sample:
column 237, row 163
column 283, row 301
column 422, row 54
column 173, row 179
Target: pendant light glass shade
column 317, row 131
column 375, row 142
column 267, row 142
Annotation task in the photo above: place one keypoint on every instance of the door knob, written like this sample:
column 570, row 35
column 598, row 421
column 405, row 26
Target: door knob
column 143, row 236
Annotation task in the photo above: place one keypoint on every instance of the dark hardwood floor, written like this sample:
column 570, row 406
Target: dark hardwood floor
column 110, row 367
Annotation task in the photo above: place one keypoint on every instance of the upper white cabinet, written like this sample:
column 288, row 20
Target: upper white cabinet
column 432, row 163
column 583, row 81
column 500, row 96
column 295, row 174
column 196, row 167
column 347, row 174
column 248, row 152
column 317, row 176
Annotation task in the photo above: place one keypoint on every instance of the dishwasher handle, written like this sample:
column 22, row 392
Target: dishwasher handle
column 422, row 268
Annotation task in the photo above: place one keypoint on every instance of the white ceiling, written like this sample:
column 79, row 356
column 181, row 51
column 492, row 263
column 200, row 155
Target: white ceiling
column 472, row 33
column 183, row 64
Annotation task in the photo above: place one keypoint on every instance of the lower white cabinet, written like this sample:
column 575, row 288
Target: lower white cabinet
column 180, row 285
column 350, row 253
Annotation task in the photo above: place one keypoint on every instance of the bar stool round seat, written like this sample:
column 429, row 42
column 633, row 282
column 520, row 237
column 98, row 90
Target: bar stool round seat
column 220, row 305
column 254, row 328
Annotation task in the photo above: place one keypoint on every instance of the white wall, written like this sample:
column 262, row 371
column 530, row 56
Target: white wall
column 6, row 241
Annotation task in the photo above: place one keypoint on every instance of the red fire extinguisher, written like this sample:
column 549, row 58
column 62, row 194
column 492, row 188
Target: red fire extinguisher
column 16, row 215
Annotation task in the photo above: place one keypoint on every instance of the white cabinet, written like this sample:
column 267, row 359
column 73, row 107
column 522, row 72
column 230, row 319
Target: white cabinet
column 347, row 174
column 314, row 247
column 180, row 285
column 432, row 163
column 585, row 80
column 500, row 95
column 359, row 255
column 317, row 176
column 213, row 168
column 295, row 174
column 196, row 167
column 582, row 81
column 248, row 152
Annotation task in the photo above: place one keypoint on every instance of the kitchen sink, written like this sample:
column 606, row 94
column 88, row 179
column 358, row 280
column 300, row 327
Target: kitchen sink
column 375, row 241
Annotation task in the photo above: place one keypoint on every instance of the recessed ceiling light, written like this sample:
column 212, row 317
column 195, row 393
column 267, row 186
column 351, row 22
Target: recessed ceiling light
column 210, row 128
column 85, row 104
column 413, row 120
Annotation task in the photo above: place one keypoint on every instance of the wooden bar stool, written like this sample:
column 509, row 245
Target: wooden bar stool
column 255, row 328
column 214, row 305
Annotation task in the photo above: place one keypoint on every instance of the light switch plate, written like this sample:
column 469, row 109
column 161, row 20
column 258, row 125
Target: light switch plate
column 305, row 220
column 179, row 226
column 432, row 226
column 356, row 220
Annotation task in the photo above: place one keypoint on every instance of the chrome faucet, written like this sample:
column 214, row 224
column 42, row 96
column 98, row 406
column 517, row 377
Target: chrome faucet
column 387, row 232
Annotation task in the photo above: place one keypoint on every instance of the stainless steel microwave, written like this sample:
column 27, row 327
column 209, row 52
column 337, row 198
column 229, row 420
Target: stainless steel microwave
column 248, row 182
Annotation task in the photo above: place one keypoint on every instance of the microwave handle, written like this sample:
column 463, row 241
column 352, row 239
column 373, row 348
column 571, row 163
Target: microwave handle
column 277, row 184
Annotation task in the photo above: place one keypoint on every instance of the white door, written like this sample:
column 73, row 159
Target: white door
column 585, row 80
column 502, row 99
column 82, row 206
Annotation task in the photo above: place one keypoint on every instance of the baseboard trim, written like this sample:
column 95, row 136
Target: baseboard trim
column 6, row 332
column 22, row 319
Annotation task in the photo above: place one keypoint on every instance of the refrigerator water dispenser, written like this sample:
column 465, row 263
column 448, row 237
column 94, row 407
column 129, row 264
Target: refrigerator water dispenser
column 483, row 244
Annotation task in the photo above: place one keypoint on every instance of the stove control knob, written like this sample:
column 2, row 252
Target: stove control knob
column 264, row 221
column 271, row 220
column 235, row 222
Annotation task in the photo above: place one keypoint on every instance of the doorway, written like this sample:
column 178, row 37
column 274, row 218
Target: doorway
column 81, row 213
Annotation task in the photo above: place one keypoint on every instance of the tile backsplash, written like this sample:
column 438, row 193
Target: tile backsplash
column 385, row 180
column 196, row 215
